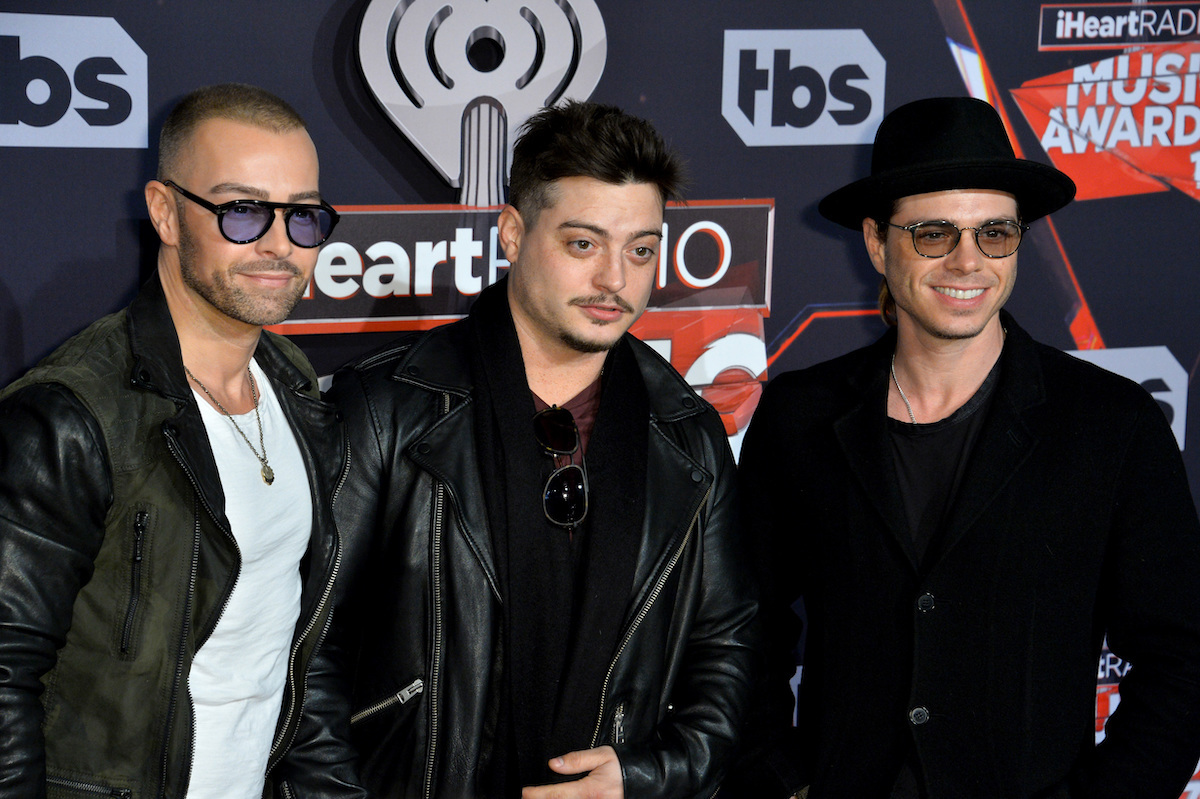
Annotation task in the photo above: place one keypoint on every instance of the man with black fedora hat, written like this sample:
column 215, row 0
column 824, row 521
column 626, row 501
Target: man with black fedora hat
column 965, row 515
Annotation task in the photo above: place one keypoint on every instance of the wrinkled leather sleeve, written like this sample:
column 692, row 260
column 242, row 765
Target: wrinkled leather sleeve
column 55, row 490
column 694, row 744
column 321, row 764
column 325, row 728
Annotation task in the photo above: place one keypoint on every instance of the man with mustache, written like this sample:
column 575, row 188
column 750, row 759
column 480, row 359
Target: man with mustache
column 542, row 561
column 165, row 499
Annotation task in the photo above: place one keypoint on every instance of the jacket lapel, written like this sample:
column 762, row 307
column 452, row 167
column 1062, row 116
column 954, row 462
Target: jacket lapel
column 158, row 367
column 680, row 486
column 1005, row 441
column 865, row 441
column 676, row 483
column 447, row 451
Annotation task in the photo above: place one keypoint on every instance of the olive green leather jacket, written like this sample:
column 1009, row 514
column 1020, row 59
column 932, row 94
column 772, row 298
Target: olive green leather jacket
column 117, row 560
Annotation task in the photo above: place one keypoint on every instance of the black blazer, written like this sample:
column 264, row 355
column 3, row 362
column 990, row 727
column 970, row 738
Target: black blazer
column 1073, row 521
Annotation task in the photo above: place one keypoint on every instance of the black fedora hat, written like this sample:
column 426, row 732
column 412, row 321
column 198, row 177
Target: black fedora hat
column 945, row 143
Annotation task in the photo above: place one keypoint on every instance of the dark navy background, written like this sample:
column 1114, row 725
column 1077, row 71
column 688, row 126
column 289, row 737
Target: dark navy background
column 77, row 243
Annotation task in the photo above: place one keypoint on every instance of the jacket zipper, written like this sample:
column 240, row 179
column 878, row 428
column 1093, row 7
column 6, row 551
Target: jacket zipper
column 187, row 617
column 95, row 790
column 297, row 704
column 135, row 580
column 645, row 609
column 195, row 565
column 435, row 563
column 618, row 727
column 400, row 697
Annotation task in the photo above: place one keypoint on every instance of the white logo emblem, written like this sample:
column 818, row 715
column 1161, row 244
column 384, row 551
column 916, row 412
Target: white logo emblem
column 800, row 87
column 70, row 82
column 459, row 77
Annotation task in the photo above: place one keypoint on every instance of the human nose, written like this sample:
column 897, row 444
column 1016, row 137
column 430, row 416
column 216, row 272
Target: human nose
column 966, row 255
column 610, row 275
column 275, row 242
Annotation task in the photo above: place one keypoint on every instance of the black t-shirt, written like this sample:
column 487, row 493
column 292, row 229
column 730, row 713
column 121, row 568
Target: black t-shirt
column 930, row 460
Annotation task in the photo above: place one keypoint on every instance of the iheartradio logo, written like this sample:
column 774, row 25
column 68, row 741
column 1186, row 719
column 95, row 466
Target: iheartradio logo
column 459, row 77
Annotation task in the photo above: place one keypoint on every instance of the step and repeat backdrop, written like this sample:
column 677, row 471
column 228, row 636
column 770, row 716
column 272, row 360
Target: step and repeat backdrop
column 413, row 106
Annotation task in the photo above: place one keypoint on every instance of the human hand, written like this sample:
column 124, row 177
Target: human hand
column 603, row 780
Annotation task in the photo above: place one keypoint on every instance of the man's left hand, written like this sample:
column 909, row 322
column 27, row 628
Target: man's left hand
column 603, row 780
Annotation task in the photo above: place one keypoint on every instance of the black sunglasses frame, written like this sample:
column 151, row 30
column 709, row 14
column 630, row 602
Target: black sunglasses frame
column 289, row 209
column 549, row 424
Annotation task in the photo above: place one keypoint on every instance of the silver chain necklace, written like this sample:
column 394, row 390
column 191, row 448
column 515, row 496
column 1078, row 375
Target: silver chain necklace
column 907, row 405
column 268, row 474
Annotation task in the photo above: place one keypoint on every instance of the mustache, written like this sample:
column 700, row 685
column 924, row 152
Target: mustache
column 604, row 299
column 259, row 267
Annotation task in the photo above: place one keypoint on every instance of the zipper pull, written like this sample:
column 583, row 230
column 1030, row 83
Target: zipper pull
column 139, row 534
column 618, row 726
column 411, row 690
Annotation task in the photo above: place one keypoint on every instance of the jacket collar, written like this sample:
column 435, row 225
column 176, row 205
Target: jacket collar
column 158, row 362
column 1004, row 442
column 435, row 361
column 158, row 367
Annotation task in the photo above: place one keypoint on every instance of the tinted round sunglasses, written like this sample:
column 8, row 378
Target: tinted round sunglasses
column 244, row 221
column 996, row 239
column 565, row 498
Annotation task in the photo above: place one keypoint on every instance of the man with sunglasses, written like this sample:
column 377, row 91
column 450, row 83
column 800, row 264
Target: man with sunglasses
column 965, row 514
column 542, row 560
column 166, row 529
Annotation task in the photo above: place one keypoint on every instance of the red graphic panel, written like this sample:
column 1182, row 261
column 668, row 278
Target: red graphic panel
column 1124, row 125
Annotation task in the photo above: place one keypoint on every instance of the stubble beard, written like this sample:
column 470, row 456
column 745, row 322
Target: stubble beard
column 583, row 345
column 590, row 346
column 230, row 299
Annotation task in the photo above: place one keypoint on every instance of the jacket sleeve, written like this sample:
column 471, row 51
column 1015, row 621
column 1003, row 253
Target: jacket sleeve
column 321, row 764
column 1152, row 606
column 696, row 741
column 325, row 728
column 55, row 490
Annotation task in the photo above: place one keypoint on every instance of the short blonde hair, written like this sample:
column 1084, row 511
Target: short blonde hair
column 238, row 102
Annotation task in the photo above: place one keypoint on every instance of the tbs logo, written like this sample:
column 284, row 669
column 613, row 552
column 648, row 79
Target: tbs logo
column 70, row 82
column 802, row 87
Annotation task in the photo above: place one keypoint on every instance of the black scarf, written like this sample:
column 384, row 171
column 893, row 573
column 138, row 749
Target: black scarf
column 565, row 597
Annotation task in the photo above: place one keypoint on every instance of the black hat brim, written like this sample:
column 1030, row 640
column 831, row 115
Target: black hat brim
column 1039, row 189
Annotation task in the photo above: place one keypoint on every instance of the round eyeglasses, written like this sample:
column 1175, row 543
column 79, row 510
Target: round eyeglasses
column 565, row 497
column 998, row 239
column 244, row 221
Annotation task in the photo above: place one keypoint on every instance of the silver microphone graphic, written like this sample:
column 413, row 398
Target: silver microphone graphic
column 459, row 77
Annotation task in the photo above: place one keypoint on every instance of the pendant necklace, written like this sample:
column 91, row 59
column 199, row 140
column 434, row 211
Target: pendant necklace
column 268, row 474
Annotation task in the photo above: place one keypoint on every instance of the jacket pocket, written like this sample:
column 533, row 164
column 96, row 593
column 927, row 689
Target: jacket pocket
column 61, row 788
column 139, row 542
column 400, row 697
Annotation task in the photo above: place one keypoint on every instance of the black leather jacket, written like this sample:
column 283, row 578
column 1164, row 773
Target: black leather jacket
column 421, row 585
column 116, row 559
